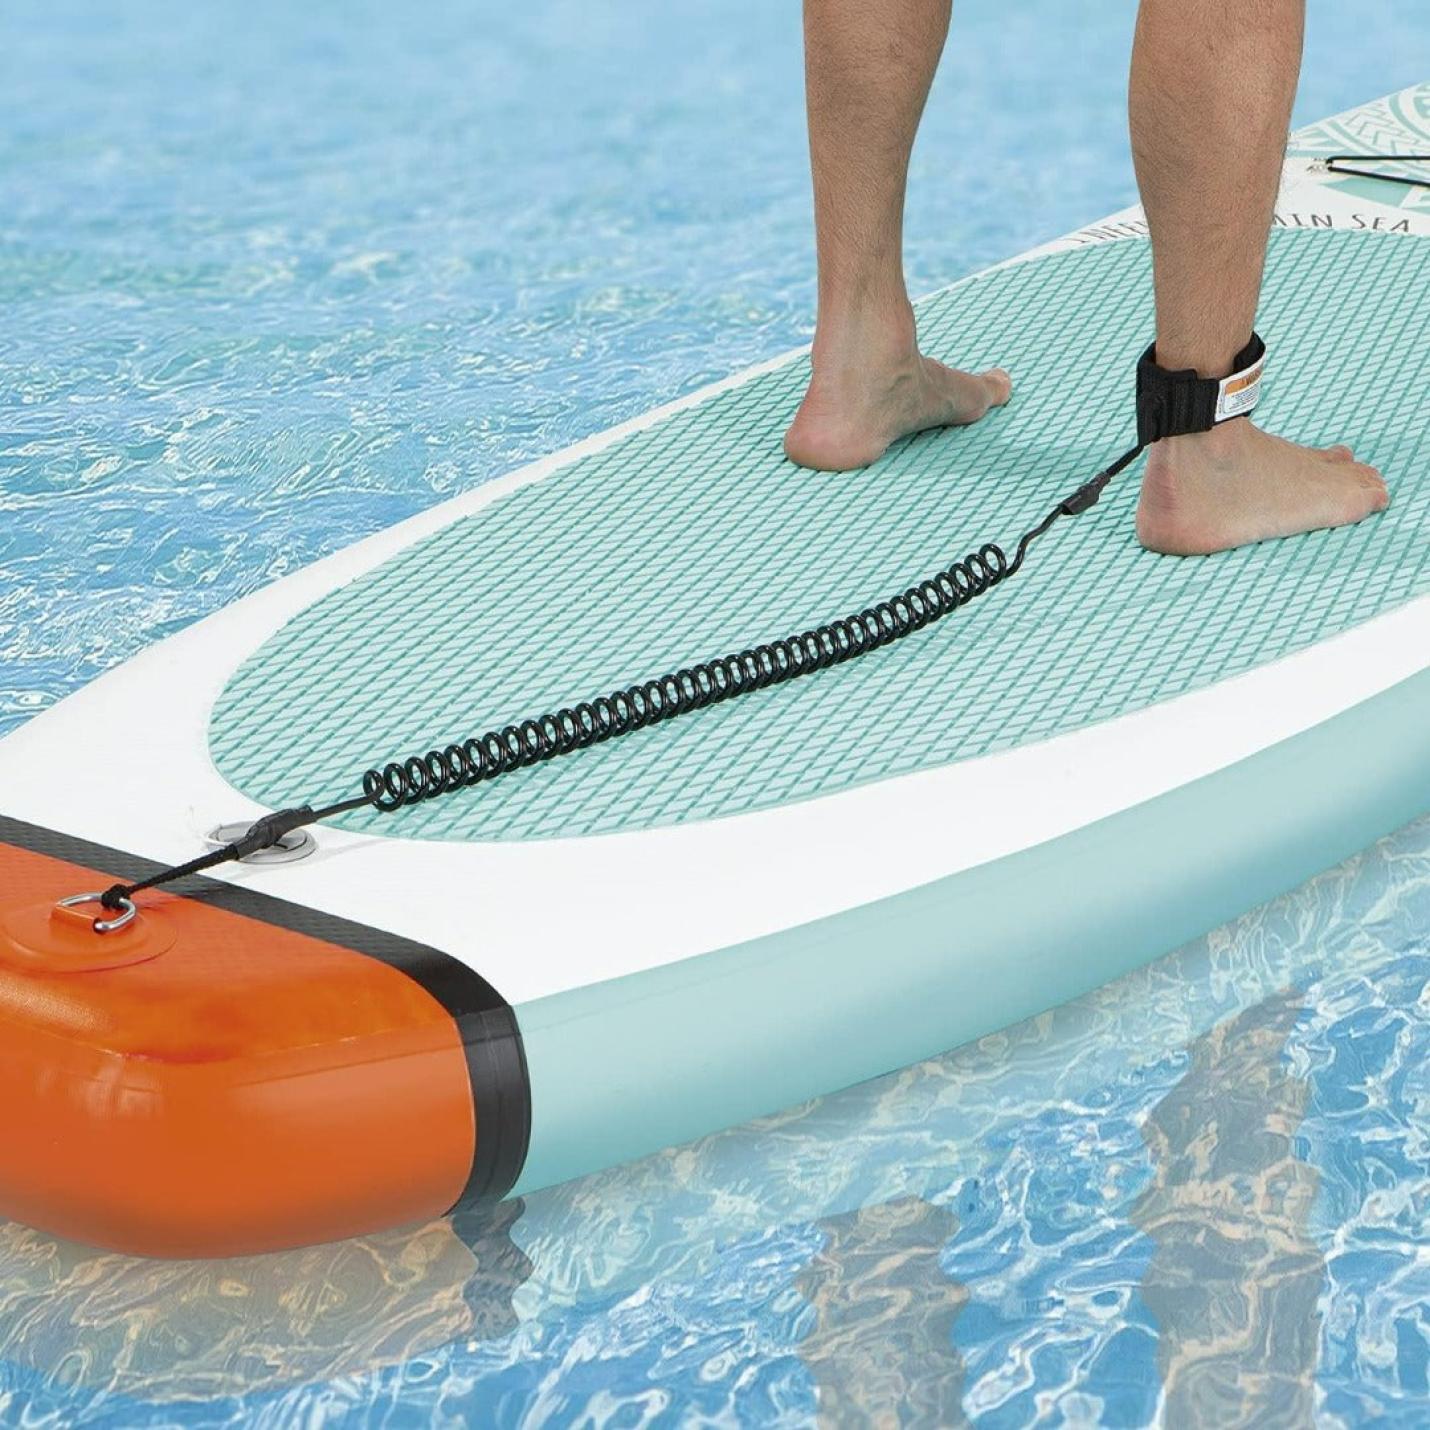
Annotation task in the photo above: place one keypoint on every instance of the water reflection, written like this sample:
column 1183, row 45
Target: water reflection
column 881, row 1349
column 202, row 1330
column 1236, row 1276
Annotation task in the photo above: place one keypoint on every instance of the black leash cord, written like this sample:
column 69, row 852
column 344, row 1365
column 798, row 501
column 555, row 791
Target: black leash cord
column 1345, row 159
column 635, row 707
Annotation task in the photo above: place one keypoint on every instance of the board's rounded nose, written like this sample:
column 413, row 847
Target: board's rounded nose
column 206, row 1083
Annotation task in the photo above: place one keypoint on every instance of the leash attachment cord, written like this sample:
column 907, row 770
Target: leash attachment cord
column 482, row 758
column 1342, row 164
column 1169, row 403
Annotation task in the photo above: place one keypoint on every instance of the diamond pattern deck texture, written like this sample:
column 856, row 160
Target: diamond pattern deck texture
column 695, row 536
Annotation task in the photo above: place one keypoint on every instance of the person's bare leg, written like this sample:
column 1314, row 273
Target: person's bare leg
column 1211, row 93
column 868, row 68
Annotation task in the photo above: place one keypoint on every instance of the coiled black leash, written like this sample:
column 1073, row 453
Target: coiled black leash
column 1340, row 164
column 1168, row 404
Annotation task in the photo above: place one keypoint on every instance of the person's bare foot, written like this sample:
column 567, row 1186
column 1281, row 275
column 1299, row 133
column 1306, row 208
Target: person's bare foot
column 872, row 387
column 1236, row 484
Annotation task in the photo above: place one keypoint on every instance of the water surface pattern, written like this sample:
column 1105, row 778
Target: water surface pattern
column 273, row 277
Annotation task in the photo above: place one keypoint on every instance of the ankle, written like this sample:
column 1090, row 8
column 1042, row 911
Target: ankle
column 1222, row 443
column 863, row 336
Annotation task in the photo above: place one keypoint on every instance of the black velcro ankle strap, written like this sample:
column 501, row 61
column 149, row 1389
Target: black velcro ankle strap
column 1171, row 404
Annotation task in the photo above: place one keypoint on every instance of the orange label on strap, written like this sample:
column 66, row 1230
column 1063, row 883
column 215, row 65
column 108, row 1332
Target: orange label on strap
column 1240, row 392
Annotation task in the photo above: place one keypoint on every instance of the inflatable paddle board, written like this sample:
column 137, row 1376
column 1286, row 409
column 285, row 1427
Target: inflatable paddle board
column 722, row 914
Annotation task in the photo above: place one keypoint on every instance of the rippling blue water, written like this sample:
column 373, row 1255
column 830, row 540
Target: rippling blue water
column 273, row 277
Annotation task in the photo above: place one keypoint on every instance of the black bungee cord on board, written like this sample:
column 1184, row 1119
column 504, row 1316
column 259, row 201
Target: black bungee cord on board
column 1169, row 404
column 1341, row 164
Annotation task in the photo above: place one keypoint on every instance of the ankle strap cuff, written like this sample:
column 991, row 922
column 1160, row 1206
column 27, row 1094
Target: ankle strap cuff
column 1171, row 404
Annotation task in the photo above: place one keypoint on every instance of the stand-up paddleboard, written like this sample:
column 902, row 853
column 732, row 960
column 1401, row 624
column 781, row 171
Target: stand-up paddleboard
column 623, row 947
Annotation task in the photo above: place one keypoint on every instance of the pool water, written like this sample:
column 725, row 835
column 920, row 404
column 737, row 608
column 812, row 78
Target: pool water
column 274, row 277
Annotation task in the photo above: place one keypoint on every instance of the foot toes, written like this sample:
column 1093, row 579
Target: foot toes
column 1374, row 483
column 998, row 383
column 1340, row 453
column 1360, row 492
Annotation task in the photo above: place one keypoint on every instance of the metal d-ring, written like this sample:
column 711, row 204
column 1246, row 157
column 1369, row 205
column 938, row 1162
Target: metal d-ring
column 127, row 915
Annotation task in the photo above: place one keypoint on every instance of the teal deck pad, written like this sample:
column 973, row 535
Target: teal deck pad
column 696, row 536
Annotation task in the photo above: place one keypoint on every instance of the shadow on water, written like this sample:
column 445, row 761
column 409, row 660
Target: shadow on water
column 1236, row 1276
column 881, row 1350
column 199, row 1330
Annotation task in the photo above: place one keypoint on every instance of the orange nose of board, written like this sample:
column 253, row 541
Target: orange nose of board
column 231, row 1073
